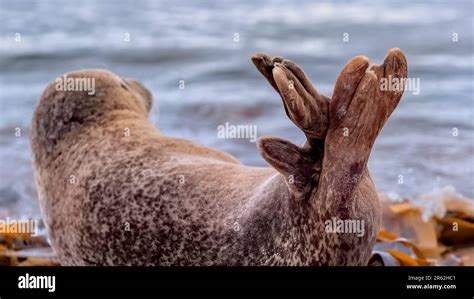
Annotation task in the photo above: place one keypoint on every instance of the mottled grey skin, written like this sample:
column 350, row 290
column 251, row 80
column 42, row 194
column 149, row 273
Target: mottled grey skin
column 113, row 198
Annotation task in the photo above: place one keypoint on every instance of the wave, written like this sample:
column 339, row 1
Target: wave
column 437, row 202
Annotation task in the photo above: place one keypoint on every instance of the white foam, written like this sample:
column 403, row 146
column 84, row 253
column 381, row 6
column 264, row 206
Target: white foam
column 438, row 201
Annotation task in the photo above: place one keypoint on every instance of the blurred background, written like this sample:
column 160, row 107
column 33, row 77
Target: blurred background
column 426, row 148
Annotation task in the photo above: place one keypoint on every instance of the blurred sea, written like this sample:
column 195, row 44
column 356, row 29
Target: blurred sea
column 208, row 44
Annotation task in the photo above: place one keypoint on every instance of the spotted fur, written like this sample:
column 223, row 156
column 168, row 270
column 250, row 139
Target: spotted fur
column 112, row 198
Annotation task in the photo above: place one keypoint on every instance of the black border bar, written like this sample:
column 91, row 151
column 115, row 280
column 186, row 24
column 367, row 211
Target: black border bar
column 240, row 282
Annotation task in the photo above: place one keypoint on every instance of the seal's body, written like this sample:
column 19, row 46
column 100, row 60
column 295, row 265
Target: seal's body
column 114, row 191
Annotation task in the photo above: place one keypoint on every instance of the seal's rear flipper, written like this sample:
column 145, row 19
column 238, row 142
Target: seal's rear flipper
column 308, row 109
column 299, row 166
column 360, row 107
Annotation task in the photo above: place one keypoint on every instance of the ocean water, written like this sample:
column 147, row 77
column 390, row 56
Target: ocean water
column 426, row 145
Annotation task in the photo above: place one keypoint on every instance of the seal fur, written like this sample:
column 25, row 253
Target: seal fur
column 113, row 190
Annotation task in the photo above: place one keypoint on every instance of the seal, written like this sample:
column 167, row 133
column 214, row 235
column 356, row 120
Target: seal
column 113, row 190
